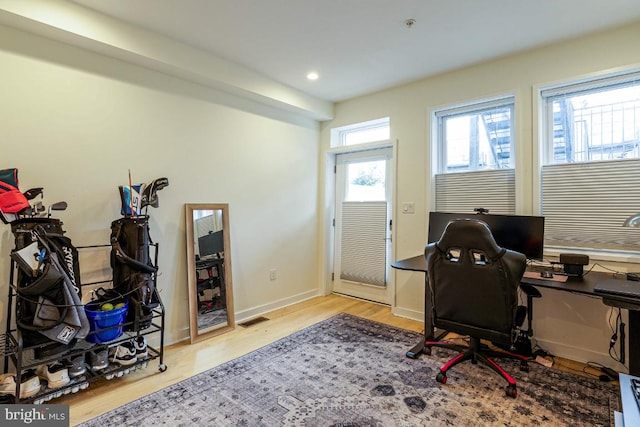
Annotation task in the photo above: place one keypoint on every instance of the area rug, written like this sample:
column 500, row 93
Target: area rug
column 349, row 371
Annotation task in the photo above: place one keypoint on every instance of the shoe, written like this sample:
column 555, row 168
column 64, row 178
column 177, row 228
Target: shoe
column 56, row 374
column 29, row 385
column 140, row 344
column 76, row 366
column 7, row 384
column 98, row 359
column 123, row 354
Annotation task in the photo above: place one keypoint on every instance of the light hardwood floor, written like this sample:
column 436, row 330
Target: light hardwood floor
column 185, row 360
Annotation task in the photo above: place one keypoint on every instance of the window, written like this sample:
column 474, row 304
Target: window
column 475, row 157
column 594, row 120
column 591, row 162
column 366, row 181
column 360, row 133
column 477, row 136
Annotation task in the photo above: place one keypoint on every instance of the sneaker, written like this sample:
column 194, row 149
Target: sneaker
column 123, row 354
column 29, row 384
column 7, row 384
column 140, row 344
column 56, row 374
column 76, row 366
column 98, row 359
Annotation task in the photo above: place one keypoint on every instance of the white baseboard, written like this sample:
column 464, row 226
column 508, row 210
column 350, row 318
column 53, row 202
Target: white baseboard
column 408, row 314
column 243, row 315
column 579, row 354
column 173, row 338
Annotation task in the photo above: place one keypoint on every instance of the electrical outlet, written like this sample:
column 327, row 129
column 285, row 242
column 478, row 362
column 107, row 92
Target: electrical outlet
column 273, row 274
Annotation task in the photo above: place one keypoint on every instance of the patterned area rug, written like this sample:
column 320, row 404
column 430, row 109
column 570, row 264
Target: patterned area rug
column 349, row 371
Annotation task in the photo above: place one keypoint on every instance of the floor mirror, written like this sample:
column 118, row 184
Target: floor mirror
column 209, row 270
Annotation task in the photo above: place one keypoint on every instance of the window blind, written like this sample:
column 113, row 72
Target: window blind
column 364, row 232
column 585, row 204
column 490, row 189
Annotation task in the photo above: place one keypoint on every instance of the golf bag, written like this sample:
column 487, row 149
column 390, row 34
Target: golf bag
column 48, row 302
column 133, row 272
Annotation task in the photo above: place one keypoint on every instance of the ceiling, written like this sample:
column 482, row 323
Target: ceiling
column 362, row 46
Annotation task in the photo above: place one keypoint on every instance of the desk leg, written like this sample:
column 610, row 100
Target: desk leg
column 418, row 349
column 634, row 342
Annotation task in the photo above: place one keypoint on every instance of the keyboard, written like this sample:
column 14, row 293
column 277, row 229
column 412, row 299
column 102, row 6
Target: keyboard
column 618, row 287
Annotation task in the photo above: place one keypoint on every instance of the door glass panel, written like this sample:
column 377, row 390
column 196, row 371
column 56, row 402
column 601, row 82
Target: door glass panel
column 366, row 181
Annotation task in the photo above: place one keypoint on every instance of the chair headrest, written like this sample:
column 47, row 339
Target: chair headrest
column 469, row 234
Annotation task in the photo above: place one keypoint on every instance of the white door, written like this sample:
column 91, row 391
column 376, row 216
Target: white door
column 363, row 224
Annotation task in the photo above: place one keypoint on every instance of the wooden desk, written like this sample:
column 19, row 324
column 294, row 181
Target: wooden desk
column 584, row 286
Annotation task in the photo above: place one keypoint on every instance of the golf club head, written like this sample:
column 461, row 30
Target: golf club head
column 58, row 206
column 32, row 193
column 36, row 209
column 130, row 197
column 27, row 212
column 149, row 196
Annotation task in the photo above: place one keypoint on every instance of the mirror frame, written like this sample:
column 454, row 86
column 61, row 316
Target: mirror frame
column 194, row 333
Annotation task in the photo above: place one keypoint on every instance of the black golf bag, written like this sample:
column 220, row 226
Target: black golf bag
column 134, row 274
column 48, row 302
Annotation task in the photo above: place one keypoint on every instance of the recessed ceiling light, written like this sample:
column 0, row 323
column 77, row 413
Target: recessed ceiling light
column 312, row 75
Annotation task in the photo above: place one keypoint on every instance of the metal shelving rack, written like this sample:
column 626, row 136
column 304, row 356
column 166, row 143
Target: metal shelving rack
column 22, row 358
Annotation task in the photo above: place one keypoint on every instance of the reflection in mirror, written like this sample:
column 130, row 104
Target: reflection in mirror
column 209, row 270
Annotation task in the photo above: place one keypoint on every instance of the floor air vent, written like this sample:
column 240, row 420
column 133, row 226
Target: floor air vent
column 253, row 321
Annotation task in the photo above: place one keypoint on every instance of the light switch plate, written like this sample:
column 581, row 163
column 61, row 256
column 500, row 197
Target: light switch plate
column 408, row 207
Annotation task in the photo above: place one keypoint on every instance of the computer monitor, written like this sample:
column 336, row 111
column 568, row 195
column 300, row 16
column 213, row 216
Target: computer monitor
column 211, row 244
column 520, row 233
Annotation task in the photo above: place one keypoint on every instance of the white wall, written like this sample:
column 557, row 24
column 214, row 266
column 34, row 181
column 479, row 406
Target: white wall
column 565, row 324
column 75, row 122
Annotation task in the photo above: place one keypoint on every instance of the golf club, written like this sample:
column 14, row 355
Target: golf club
column 59, row 206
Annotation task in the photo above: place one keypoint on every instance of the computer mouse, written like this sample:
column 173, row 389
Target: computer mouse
column 546, row 274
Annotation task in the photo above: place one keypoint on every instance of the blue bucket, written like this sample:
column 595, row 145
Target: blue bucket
column 100, row 319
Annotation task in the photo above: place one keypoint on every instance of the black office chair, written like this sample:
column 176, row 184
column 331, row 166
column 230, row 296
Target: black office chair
column 474, row 291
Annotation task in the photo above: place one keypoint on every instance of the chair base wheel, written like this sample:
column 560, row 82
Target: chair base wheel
column 511, row 391
column 441, row 378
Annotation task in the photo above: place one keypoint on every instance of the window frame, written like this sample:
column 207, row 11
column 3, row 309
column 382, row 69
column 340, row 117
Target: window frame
column 543, row 151
column 548, row 93
column 439, row 116
column 340, row 134
column 500, row 196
